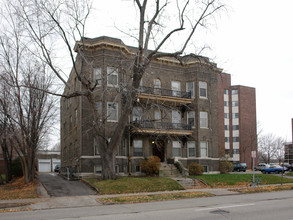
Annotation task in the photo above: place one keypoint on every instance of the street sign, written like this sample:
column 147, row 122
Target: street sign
column 253, row 154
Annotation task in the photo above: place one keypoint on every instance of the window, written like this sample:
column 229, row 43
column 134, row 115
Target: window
column 136, row 113
column 226, row 127
column 235, row 139
column 112, row 76
column 205, row 168
column 226, row 115
column 191, row 118
column 203, row 149
column 137, row 148
column 203, row 120
column 157, row 83
column 235, row 115
column 191, row 148
column 158, row 115
column 235, row 127
column 116, row 169
column 76, row 116
column 227, row 151
column 75, row 149
column 234, row 91
column 234, row 103
column 112, row 111
column 226, row 103
column 175, row 86
column 190, row 88
column 98, row 169
column 203, row 90
column 137, row 169
column 235, row 151
column 98, row 76
column 123, row 147
column 226, row 92
column 96, row 149
column 227, row 139
column 176, row 149
column 176, row 117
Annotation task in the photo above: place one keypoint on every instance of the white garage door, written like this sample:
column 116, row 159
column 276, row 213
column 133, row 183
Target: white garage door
column 44, row 165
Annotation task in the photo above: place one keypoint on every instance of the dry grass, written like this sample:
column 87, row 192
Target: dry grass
column 153, row 198
column 19, row 190
column 264, row 189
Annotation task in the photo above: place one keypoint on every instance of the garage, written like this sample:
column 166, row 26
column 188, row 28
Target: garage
column 44, row 165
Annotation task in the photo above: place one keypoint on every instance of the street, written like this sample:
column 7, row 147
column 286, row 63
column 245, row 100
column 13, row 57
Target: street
column 274, row 205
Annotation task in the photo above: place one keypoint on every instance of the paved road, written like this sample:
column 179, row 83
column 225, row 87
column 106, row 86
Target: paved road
column 58, row 187
column 267, row 206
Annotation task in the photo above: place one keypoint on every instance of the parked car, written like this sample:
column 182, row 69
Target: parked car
column 261, row 166
column 57, row 168
column 240, row 167
column 274, row 169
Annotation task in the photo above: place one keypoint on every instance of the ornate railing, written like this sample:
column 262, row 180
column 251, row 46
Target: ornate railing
column 161, row 125
column 164, row 92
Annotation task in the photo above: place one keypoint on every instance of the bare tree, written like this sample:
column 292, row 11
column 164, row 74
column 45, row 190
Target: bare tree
column 271, row 148
column 30, row 109
column 48, row 22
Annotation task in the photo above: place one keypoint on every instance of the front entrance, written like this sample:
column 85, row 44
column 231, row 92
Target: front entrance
column 159, row 149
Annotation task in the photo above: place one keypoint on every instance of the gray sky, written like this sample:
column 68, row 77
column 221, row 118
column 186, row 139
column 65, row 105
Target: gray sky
column 252, row 41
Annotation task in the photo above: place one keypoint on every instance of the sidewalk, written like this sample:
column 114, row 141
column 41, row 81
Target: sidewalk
column 46, row 202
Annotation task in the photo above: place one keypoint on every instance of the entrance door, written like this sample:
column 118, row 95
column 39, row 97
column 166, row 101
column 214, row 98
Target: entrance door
column 158, row 149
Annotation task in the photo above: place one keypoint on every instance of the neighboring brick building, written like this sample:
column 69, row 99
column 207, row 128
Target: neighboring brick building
column 289, row 149
column 237, row 121
column 178, row 114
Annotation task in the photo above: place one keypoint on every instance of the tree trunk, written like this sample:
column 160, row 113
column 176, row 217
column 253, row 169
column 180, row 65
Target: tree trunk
column 108, row 166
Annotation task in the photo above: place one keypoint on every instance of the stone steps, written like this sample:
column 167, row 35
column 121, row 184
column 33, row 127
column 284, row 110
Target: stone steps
column 169, row 170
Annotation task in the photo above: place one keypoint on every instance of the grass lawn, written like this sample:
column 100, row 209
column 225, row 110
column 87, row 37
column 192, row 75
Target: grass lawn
column 135, row 185
column 289, row 174
column 18, row 190
column 230, row 180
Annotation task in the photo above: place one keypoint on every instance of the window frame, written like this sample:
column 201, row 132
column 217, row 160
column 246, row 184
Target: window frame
column 188, row 90
column 188, row 147
column 112, row 71
column 203, row 85
column 174, row 146
column 188, row 118
column 97, row 77
column 135, row 153
column 203, row 121
column 139, row 116
column 116, row 114
column 204, row 148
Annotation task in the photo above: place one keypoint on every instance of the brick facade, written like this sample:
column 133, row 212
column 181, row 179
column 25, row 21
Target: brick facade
column 171, row 122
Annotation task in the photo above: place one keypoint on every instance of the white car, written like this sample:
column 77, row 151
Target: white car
column 261, row 166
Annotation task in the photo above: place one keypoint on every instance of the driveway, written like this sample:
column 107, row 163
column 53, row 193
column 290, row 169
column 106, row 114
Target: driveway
column 58, row 187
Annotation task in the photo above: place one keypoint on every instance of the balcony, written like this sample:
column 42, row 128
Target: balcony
column 164, row 95
column 155, row 127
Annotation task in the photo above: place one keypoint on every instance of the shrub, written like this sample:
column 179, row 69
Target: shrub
column 16, row 168
column 151, row 165
column 226, row 166
column 195, row 169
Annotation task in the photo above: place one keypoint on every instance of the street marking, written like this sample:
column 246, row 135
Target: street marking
column 225, row 207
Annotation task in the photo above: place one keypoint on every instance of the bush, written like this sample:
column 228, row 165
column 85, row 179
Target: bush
column 151, row 165
column 226, row 166
column 195, row 169
column 16, row 168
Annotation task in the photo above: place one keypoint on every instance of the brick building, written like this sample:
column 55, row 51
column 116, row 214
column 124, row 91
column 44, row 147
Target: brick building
column 289, row 149
column 178, row 114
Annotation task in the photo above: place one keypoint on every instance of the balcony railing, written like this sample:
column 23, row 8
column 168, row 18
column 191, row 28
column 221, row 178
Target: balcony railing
column 161, row 125
column 164, row 92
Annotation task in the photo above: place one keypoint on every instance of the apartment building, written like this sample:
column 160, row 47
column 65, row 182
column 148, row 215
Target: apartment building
column 237, row 121
column 289, row 149
column 178, row 113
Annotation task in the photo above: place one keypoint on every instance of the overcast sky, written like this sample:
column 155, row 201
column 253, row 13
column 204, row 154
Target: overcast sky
column 252, row 41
